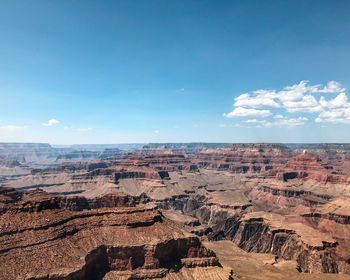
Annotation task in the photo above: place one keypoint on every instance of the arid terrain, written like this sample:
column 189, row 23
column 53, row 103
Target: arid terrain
column 175, row 211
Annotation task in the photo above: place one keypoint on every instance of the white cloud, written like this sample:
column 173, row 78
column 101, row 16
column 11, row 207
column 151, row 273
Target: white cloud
column 231, row 125
column 336, row 110
column 307, row 103
column 291, row 122
column 295, row 98
column 261, row 98
column 255, row 121
column 282, row 122
column 156, row 131
column 298, row 98
column 339, row 115
column 51, row 122
column 295, row 92
column 244, row 112
column 340, row 101
column 332, row 87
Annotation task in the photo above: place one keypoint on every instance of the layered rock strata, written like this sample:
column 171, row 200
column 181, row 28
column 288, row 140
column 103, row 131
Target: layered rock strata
column 307, row 167
column 244, row 158
column 337, row 155
column 271, row 233
column 41, row 240
column 167, row 161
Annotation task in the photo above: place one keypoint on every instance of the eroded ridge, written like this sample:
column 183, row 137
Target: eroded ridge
column 40, row 239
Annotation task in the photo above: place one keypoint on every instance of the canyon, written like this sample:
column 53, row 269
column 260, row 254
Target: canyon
column 175, row 211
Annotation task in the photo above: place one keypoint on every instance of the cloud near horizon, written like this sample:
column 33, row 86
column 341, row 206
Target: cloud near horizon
column 243, row 112
column 51, row 122
column 298, row 99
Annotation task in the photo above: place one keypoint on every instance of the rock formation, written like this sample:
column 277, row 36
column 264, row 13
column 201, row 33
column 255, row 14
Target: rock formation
column 271, row 233
column 337, row 155
column 243, row 158
column 167, row 161
column 77, row 156
column 11, row 162
column 261, row 198
column 307, row 167
column 41, row 239
column 180, row 148
column 32, row 152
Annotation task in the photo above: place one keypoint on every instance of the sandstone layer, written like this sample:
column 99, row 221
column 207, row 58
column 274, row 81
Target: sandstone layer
column 40, row 239
column 243, row 158
column 308, row 167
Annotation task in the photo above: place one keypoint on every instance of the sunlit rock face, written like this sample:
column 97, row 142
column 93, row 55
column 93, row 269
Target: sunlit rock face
column 41, row 239
column 305, row 166
column 244, row 158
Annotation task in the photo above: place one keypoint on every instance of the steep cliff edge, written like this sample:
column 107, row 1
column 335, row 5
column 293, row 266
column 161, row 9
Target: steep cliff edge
column 41, row 240
column 271, row 233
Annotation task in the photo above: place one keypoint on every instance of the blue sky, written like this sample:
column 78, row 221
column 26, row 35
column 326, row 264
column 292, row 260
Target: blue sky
column 171, row 71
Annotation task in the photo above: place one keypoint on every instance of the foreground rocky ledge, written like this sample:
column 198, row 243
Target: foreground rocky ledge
column 41, row 240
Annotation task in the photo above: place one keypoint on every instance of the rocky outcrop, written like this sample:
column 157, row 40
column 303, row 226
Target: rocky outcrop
column 338, row 218
column 31, row 152
column 41, row 240
column 166, row 161
column 307, row 167
column 8, row 196
column 337, row 155
column 155, row 166
column 139, row 173
column 78, row 156
column 69, row 167
column 11, row 162
column 111, row 152
column 37, row 200
column 116, row 173
column 244, row 158
column 290, row 237
column 292, row 192
column 180, row 148
column 256, row 234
